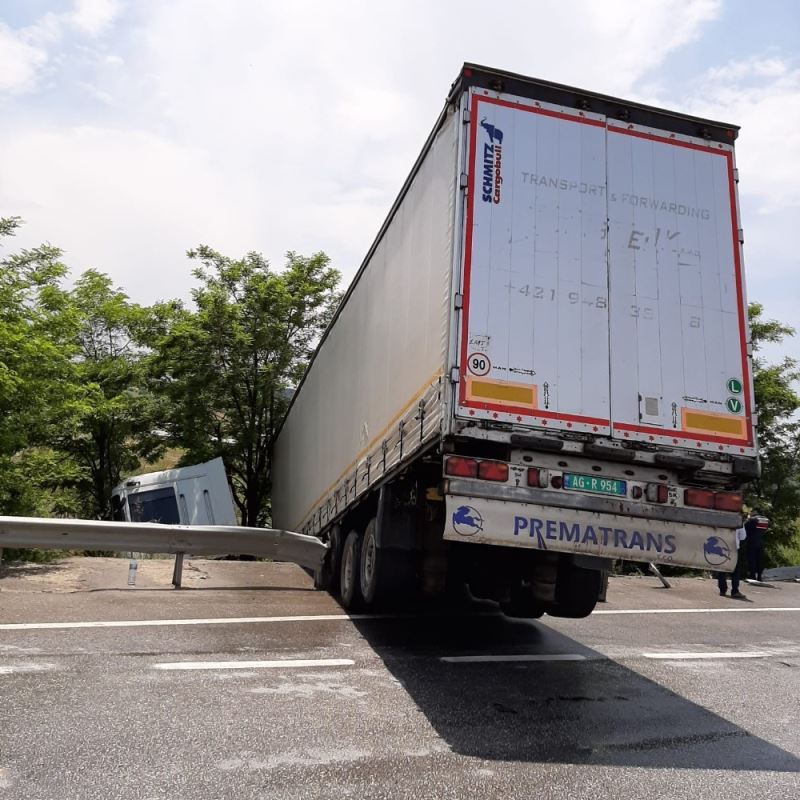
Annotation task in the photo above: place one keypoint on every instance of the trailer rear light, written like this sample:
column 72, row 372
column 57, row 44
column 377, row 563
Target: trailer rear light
column 728, row 501
column 636, row 492
column 537, row 477
column 493, row 470
column 700, row 498
column 556, row 481
column 656, row 492
column 461, row 467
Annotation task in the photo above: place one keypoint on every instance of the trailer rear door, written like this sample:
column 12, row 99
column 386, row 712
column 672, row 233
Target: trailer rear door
column 534, row 341
column 679, row 363
column 602, row 279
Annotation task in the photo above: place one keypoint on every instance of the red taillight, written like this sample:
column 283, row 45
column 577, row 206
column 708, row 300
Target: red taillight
column 493, row 470
column 461, row 467
column 656, row 492
column 728, row 501
column 636, row 492
column 556, row 481
column 700, row 498
column 535, row 476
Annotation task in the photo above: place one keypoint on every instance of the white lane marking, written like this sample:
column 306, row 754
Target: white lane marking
column 287, row 663
column 692, row 610
column 533, row 657
column 10, row 669
column 140, row 623
column 145, row 623
column 698, row 656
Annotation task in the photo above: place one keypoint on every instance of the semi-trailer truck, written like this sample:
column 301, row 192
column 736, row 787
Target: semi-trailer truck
column 543, row 363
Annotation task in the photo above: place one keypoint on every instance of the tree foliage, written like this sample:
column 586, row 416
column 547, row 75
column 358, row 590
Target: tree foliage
column 113, row 419
column 228, row 366
column 777, row 491
column 76, row 409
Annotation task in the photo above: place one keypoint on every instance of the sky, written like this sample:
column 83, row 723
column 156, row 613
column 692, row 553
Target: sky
column 133, row 131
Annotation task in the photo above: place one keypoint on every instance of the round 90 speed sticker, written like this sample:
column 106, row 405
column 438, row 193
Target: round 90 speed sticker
column 479, row 364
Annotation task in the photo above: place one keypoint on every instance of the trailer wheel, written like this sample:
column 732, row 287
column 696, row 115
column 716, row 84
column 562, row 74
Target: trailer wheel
column 349, row 581
column 327, row 576
column 577, row 590
column 387, row 573
column 523, row 604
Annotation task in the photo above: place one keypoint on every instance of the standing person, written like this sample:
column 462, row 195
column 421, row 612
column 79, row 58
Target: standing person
column 722, row 577
column 756, row 526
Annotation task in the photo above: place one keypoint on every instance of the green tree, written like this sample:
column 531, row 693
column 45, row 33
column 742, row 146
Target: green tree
column 777, row 491
column 228, row 366
column 36, row 349
column 113, row 418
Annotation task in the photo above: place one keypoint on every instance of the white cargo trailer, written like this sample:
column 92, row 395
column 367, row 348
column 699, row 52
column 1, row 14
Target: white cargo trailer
column 543, row 363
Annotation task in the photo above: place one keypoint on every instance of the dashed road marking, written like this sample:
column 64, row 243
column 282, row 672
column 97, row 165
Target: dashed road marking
column 701, row 655
column 531, row 657
column 11, row 669
column 279, row 664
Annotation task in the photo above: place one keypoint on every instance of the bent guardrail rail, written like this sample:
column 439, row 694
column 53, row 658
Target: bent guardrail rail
column 150, row 537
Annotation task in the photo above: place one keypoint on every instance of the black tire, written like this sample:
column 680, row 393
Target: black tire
column 371, row 564
column 349, row 580
column 577, row 590
column 387, row 574
column 523, row 604
column 328, row 575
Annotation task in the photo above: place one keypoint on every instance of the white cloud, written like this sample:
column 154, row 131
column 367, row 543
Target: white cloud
column 19, row 62
column 24, row 53
column 763, row 96
column 92, row 17
column 289, row 125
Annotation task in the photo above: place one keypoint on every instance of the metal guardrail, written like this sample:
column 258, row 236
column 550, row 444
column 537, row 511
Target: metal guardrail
column 149, row 537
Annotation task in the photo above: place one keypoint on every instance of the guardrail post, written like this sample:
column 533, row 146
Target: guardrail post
column 132, row 566
column 177, row 573
column 664, row 582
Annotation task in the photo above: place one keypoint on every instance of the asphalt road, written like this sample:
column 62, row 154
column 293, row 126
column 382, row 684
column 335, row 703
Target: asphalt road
column 248, row 684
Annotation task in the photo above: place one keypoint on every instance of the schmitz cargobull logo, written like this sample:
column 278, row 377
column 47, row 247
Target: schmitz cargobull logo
column 492, row 163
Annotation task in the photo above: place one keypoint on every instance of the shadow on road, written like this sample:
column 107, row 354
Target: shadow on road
column 580, row 712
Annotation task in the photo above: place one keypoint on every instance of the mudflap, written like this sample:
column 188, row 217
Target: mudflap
column 567, row 530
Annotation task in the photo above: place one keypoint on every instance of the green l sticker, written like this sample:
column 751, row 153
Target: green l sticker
column 735, row 386
column 734, row 405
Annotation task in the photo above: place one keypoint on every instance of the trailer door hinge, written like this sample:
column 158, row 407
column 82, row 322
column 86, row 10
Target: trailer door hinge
column 736, row 176
column 463, row 181
column 458, row 301
column 466, row 117
column 741, row 235
column 455, row 375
